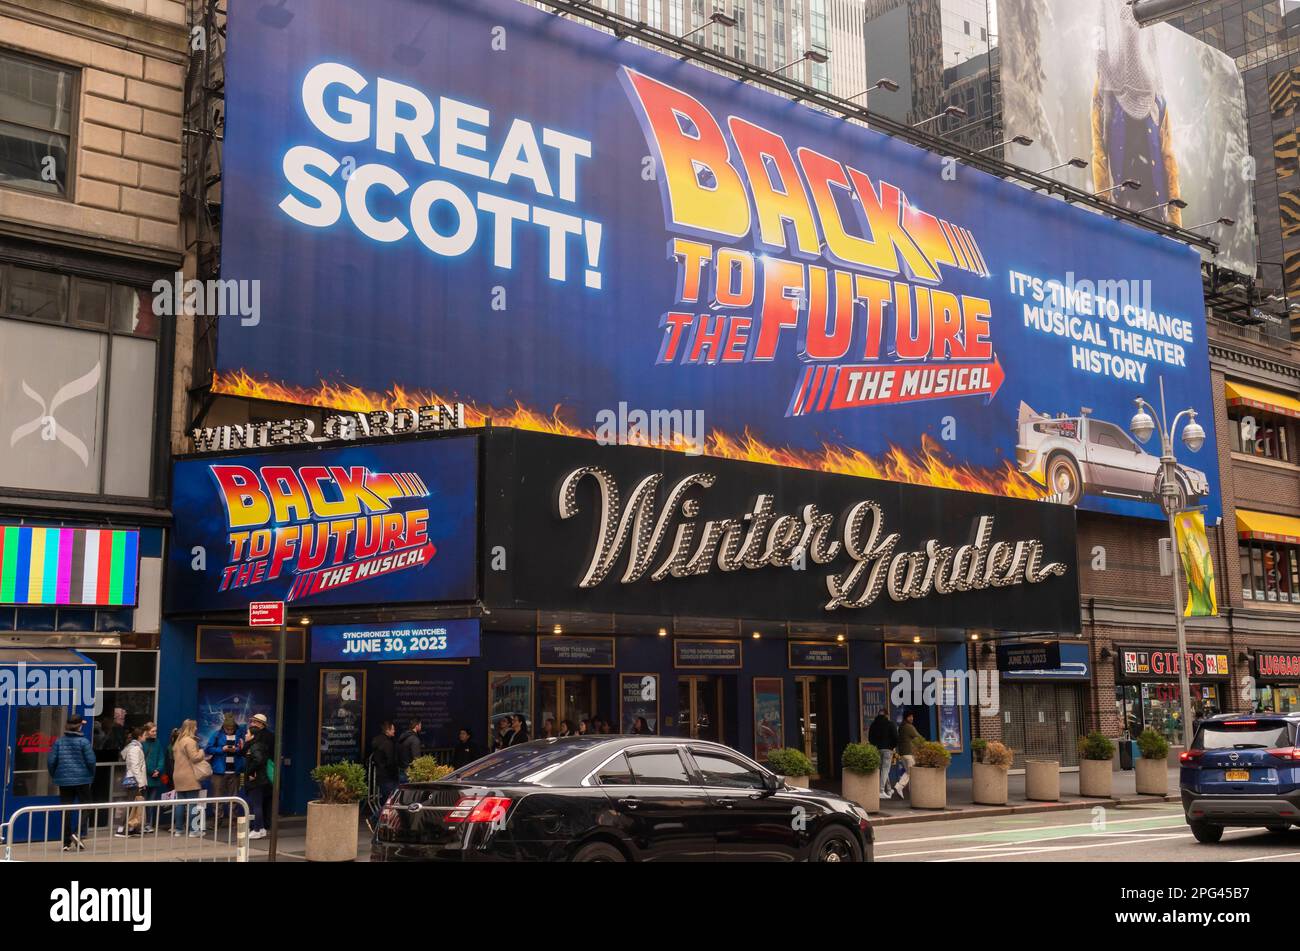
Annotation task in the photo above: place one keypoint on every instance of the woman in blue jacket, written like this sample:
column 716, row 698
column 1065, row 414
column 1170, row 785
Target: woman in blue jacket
column 72, row 768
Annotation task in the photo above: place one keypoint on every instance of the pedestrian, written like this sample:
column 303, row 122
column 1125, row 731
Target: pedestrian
column 465, row 751
column 519, row 734
column 640, row 727
column 71, row 763
column 157, row 777
column 135, row 781
column 908, row 737
column 548, row 729
column 566, row 728
column 227, row 762
column 883, row 735
column 259, row 773
column 505, row 730
column 383, row 758
column 408, row 748
column 584, row 726
column 189, row 771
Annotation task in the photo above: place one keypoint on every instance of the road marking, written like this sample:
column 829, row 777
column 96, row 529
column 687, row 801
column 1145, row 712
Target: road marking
column 995, row 850
column 1073, row 825
column 1265, row 858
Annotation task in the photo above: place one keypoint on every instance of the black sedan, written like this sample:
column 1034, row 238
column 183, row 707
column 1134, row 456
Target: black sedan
column 618, row 799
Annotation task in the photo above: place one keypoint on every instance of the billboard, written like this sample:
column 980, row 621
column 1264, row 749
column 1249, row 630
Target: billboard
column 356, row 525
column 1150, row 104
column 483, row 203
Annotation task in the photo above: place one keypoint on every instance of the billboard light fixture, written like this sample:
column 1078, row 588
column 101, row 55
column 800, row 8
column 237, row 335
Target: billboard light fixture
column 950, row 112
column 1171, row 203
column 884, row 82
column 1014, row 140
column 716, row 18
column 1127, row 183
column 1226, row 222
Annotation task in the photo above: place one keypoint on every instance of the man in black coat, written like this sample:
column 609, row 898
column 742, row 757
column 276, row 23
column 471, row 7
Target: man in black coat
column 383, row 756
column 408, row 748
column 883, row 735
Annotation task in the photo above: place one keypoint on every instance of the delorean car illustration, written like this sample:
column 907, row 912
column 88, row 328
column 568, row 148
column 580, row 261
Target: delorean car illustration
column 1073, row 456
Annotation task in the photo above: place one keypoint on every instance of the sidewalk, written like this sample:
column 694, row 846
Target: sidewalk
column 962, row 806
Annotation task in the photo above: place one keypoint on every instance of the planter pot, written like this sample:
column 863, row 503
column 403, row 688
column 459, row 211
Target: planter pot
column 1152, row 776
column 863, row 788
column 928, row 787
column 800, row 781
column 989, row 784
column 1043, row 780
column 1096, row 777
column 332, row 831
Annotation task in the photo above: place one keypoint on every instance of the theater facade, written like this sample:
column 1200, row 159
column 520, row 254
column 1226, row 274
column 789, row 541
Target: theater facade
column 464, row 577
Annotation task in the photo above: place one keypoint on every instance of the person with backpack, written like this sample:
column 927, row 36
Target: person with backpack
column 71, row 763
column 134, row 783
column 259, row 774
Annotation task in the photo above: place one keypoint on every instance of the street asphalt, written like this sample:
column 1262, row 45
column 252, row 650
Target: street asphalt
column 1154, row 832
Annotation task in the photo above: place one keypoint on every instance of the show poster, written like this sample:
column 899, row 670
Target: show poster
column 950, row 729
column 432, row 697
column 247, row 645
column 639, row 703
column 769, row 716
column 570, row 232
column 401, row 640
column 873, row 699
column 341, row 733
column 354, row 525
column 241, row 698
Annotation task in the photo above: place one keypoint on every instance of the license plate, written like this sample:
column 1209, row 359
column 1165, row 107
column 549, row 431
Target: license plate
column 1237, row 775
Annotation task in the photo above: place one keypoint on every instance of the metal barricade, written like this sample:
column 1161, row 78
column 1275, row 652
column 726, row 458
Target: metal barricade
column 209, row 829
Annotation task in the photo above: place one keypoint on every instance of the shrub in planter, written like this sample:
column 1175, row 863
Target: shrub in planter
column 862, row 775
column 426, row 769
column 989, row 772
column 1152, row 768
column 332, row 820
column 928, row 776
column 1095, row 773
column 790, row 763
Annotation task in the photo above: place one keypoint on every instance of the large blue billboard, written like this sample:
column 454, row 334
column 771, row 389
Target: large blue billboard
column 375, row 524
column 479, row 201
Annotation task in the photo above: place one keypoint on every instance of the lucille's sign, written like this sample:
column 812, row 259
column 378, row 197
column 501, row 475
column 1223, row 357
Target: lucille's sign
column 640, row 529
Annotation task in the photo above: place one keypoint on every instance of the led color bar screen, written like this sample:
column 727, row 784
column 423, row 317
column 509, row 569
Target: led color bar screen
column 88, row 566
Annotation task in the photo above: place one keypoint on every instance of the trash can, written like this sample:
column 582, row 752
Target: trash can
column 1127, row 750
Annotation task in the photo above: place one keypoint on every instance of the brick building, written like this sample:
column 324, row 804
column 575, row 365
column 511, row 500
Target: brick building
column 91, row 99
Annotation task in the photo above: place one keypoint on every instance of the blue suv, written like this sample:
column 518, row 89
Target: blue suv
column 1242, row 770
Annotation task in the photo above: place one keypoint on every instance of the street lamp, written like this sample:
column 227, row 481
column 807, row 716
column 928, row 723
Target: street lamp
column 1143, row 424
column 1171, row 203
column 1073, row 163
column 951, row 112
column 883, row 83
column 1014, row 140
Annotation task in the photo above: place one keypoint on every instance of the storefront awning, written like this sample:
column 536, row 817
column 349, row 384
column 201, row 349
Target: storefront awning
column 1240, row 394
column 1267, row 527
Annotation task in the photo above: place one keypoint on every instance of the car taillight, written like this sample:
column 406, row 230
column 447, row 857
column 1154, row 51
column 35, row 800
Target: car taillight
column 487, row 809
column 1188, row 756
column 1288, row 752
column 389, row 820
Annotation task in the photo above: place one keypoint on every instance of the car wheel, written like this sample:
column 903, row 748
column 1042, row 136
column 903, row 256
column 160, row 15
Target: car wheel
column 598, row 852
column 835, row 844
column 1207, row 833
column 1279, row 829
column 1063, row 479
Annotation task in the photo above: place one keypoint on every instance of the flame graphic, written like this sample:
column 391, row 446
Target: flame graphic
column 925, row 466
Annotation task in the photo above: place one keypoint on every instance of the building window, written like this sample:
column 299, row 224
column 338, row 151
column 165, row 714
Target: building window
column 35, row 124
column 1270, row 572
column 1260, row 433
column 78, row 373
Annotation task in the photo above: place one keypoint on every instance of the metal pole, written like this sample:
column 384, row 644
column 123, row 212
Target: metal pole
column 1169, row 494
column 279, row 746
